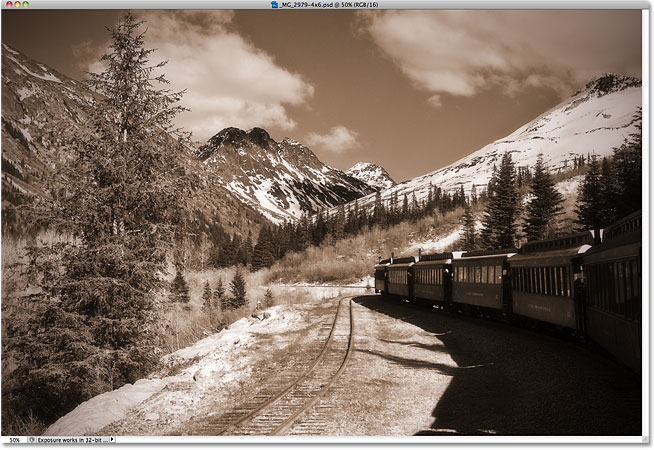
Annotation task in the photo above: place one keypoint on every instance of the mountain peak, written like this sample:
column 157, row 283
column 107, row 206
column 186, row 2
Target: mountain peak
column 260, row 137
column 371, row 174
column 282, row 179
column 610, row 82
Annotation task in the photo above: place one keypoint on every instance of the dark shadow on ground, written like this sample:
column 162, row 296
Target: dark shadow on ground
column 512, row 381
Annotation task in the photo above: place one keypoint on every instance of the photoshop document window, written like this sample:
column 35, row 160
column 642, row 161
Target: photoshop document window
column 324, row 222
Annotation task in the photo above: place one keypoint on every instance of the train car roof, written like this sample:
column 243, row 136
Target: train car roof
column 629, row 229
column 434, row 262
column 562, row 242
column 400, row 266
column 497, row 256
column 495, row 252
column 548, row 258
column 404, row 260
column 382, row 266
column 624, row 237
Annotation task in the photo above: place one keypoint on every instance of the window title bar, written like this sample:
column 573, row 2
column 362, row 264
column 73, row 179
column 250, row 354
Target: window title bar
column 322, row 4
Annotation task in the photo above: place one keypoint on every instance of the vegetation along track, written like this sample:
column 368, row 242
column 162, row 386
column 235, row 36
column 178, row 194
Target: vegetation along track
column 279, row 411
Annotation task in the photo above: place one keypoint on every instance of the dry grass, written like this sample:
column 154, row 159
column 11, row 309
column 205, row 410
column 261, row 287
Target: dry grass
column 185, row 324
column 352, row 259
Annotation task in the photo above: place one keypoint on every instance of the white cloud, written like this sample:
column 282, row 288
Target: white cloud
column 464, row 52
column 435, row 101
column 337, row 140
column 229, row 81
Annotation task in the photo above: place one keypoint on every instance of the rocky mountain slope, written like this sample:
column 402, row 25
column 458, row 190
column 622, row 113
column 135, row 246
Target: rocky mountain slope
column 38, row 104
column 600, row 117
column 371, row 174
column 283, row 179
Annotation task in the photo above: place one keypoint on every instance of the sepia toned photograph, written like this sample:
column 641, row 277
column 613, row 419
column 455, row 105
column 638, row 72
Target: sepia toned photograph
column 417, row 224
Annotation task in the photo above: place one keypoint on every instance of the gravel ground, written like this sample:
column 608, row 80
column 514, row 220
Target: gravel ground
column 417, row 371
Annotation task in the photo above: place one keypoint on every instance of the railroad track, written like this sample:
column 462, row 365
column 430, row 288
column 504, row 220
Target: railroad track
column 275, row 413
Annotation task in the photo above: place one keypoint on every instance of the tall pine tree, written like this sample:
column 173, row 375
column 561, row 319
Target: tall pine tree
column 627, row 162
column 502, row 209
column 207, row 297
column 262, row 255
column 179, row 289
column 589, row 201
column 238, row 292
column 95, row 318
column 544, row 206
column 219, row 295
column 469, row 232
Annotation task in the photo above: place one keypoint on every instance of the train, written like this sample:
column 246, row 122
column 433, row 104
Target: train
column 588, row 285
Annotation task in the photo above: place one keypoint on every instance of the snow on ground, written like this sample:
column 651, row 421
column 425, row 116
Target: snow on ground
column 216, row 359
column 581, row 125
column 26, row 92
column 436, row 245
column 46, row 76
column 569, row 188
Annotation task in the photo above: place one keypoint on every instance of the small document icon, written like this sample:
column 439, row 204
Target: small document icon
column 274, row 4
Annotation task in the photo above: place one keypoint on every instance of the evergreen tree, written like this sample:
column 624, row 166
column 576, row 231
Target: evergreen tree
column 405, row 207
column 462, row 197
column 627, row 161
column 379, row 213
column 430, row 199
column 248, row 249
column 207, row 296
column 262, row 255
column 339, row 222
column 414, row 207
column 95, row 316
column 219, row 296
column 179, row 289
column 238, row 292
column 502, row 209
column 609, row 196
column 268, row 299
column 469, row 233
column 589, row 208
column 544, row 206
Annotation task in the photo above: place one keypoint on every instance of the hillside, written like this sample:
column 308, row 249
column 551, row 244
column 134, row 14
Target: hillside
column 283, row 180
column 39, row 106
column 600, row 117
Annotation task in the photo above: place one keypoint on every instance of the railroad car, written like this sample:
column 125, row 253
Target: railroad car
column 432, row 278
column 567, row 282
column 481, row 279
column 612, row 284
column 544, row 275
column 399, row 277
column 380, row 275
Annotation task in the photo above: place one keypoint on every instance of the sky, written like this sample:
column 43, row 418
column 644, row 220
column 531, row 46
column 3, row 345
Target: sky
column 412, row 91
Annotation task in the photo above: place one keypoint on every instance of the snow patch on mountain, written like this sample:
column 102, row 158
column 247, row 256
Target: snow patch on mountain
column 595, row 120
column 283, row 180
column 371, row 174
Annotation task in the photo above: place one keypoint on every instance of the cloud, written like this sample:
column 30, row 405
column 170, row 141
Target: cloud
column 435, row 101
column 229, row 81
column 337, row 140
column 462, row 53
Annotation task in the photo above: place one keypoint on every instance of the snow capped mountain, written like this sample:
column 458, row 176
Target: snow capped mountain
column 39, row 107
column 282, row 179
column 595, row 120
column 37, row 103
column 371, row 174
